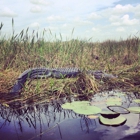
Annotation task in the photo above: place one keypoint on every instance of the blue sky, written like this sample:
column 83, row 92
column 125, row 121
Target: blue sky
column 99, row 19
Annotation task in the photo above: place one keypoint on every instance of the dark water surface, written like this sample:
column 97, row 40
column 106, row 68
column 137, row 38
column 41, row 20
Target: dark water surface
column 48, row 121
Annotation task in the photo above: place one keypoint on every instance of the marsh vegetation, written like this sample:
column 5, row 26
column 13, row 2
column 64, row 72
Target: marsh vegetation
column 22, row 51
column 37, row 102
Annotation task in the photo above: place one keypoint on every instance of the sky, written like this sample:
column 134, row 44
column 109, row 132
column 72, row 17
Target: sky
column 81, row 19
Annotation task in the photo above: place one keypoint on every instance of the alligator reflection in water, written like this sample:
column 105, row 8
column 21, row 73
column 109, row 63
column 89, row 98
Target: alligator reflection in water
column 50, row 121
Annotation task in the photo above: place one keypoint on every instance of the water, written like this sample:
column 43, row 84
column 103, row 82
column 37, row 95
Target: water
column 48, row 121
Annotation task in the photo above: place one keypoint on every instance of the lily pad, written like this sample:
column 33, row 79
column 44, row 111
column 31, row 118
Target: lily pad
column 137, row 100
column 67, row 106
column 109, row 114
column 134, row 109
column 118, row 109
column 112, row 122
column 80, row 103
column 87, row 110
column 114, row 101
column 75, row 104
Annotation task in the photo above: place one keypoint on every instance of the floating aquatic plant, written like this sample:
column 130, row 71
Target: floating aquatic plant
column 134, row 109
column 114, row 101
column 75, row 104
column 118, row 109
column 137, row 100
column 109, row 114
column 87, row 110
column 82, row 107
column 112, row 122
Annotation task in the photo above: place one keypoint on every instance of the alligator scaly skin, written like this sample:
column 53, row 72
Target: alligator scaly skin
column 55, row 73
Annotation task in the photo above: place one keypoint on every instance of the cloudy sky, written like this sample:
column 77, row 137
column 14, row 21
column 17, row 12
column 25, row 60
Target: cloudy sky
column 99, row 19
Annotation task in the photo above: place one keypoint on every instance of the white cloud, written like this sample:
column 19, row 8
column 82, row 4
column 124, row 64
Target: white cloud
column 52, row 28
column 54, row 18
column 35, row 25
column 94, row 16
column 80, row 21
column 120, row 29
column 114, row 18
column 137, row 14
column 40, row 2
column 7, row 12
column 119, row 9
column 101, row 19
column 122, row 15
column 67, row 26
column 95, row 29
column 124, row 20
column 127, row 21
column 36, row 9
column 64, row 25
column 137, row 11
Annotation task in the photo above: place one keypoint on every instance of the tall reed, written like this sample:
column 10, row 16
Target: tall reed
column 24, row 50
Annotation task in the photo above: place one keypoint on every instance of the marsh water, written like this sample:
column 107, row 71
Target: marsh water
column 48, row 121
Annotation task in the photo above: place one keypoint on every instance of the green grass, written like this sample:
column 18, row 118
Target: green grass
column 22, row 51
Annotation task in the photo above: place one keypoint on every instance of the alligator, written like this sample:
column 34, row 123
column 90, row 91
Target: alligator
column 38, row 73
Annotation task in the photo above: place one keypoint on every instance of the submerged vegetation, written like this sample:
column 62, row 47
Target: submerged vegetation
column 24, row 50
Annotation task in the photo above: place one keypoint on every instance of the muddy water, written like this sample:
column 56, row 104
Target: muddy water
column 48, row 121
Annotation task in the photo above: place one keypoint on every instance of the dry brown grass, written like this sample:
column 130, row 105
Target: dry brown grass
column 7, row 78
column 120, row 58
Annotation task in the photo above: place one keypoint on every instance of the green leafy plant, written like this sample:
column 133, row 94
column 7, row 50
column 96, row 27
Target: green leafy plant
column 134, row 109
column 112, row 122
column 82, row 107
column 75, row 104
column 87, row 110
column 109, row 114
column 137, row 100
column 113, row 101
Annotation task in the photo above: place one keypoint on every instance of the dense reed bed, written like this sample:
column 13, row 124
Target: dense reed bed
column 22, row 51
